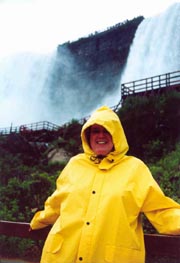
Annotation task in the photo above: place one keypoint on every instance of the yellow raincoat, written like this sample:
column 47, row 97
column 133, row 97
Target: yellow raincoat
column 95, row 210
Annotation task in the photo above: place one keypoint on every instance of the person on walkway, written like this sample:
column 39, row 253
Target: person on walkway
column 95, row 211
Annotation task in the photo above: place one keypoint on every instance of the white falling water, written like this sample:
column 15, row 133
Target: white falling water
column 44, row 87
column 24, row 88
column 156, row 46
column 29, row 87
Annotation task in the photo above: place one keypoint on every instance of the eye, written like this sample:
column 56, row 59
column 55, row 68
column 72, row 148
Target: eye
column 105, row 131
column 95, row 131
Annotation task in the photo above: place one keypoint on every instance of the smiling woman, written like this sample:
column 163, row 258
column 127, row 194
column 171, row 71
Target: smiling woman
column 95, row 211
column 100, row 140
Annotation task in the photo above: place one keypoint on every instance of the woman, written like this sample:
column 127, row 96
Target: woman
column 100, row 196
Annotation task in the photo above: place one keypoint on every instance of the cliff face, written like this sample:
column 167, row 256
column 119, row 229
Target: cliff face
column 87, row 72
column 100, row 58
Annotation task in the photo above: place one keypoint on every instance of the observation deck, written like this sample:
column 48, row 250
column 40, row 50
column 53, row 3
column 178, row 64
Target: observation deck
column 151, row 86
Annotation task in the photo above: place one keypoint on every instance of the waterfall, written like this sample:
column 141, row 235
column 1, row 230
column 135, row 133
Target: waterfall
column 45, row 87
column 37, row 87
column 24, row 88
column 156, row 46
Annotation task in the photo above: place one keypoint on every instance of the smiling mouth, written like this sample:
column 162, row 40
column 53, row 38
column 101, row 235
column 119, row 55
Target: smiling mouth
column 101, row 142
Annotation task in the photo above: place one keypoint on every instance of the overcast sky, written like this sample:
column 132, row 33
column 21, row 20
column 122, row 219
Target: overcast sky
column 43, row 24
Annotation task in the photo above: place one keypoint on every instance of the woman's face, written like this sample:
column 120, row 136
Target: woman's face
column 100, row 140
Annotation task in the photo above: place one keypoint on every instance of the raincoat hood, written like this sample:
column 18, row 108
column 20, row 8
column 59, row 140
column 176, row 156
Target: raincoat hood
column 107, row 118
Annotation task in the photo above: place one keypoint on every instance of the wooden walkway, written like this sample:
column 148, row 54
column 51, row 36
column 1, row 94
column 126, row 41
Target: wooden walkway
column 152, row 85
column 143, row 87
column 32, row 127
column 42, row 131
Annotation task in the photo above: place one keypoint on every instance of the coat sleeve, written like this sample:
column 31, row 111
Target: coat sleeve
column 51, row 211
column 162, row 211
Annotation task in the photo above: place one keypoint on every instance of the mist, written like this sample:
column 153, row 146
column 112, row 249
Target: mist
column 37, row 86
column 46, row 87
